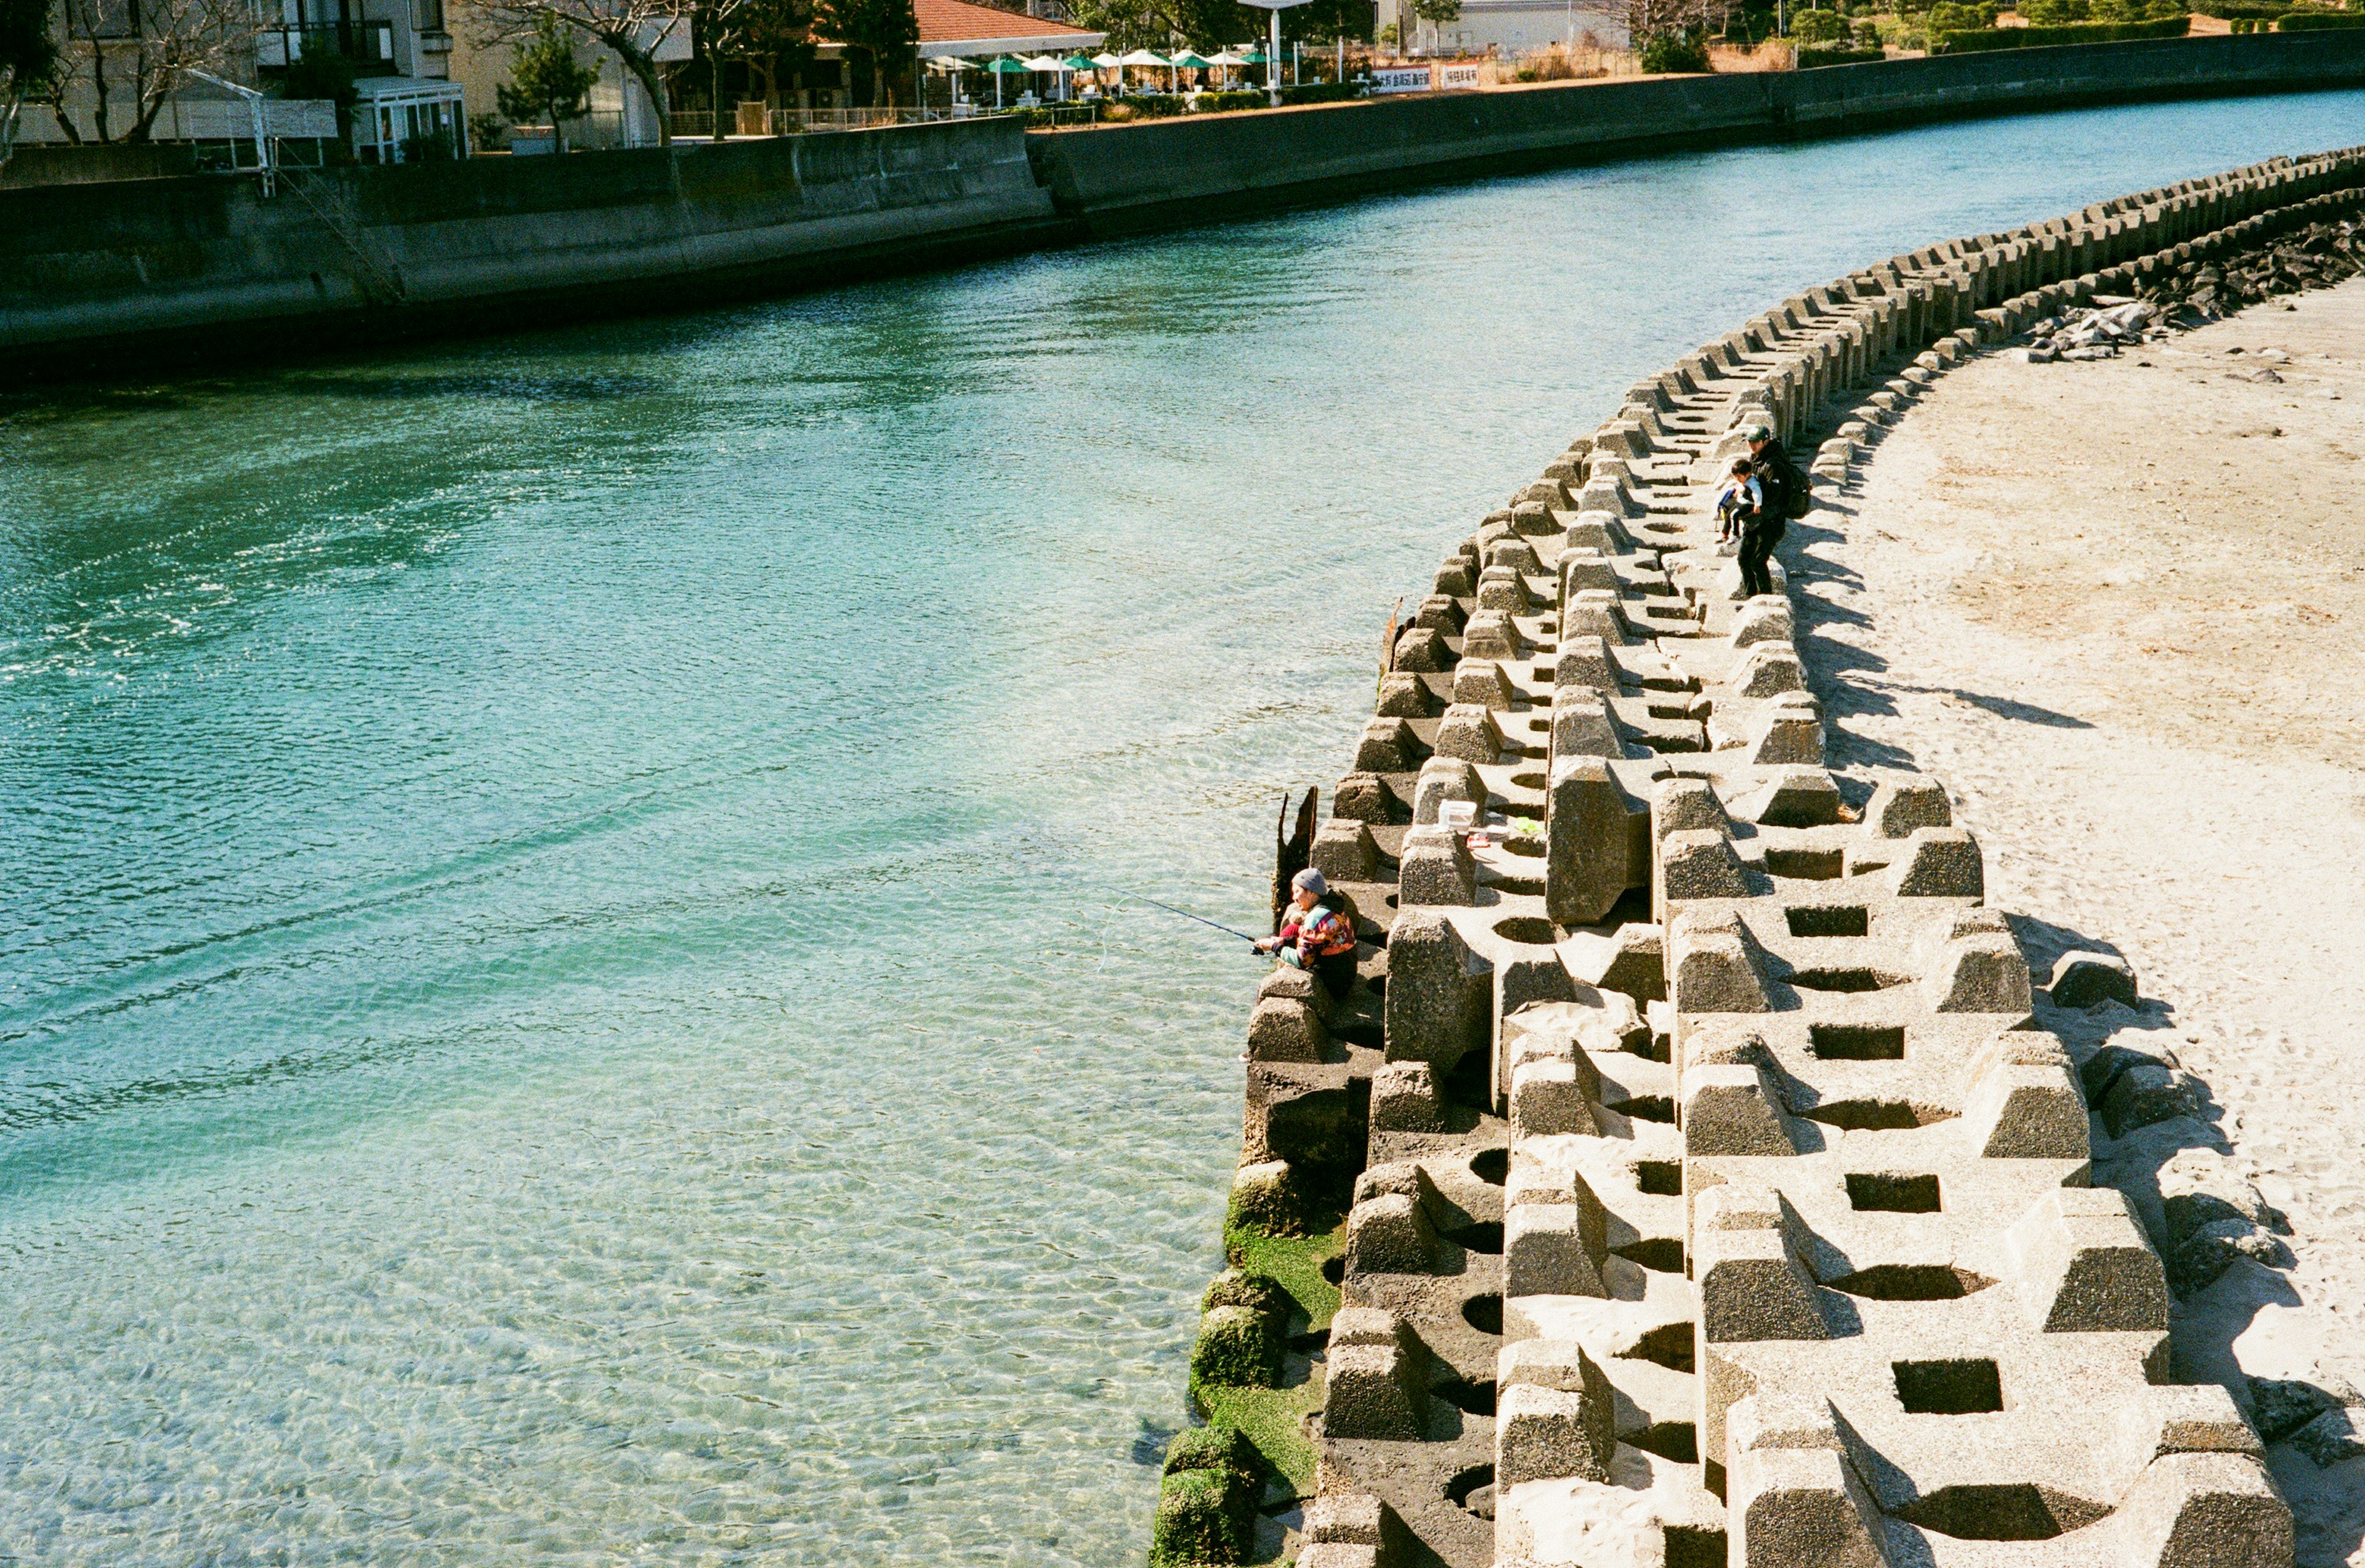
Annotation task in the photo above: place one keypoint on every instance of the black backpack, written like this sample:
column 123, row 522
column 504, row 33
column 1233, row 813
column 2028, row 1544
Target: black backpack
column 1795, row 499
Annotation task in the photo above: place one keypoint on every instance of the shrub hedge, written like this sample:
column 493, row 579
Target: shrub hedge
column 1142, row 106
column 1946, row 16
column 2316, row 21
column 2077, row 32
column 1810, row 58
column 1165, row 106
column 1817, row 27
column 1670, row 54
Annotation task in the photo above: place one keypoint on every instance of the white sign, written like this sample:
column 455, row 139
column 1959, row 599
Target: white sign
column 1451, row 76
column 1400, row 78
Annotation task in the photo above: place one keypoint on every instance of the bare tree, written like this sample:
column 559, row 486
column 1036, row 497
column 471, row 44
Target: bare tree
column 633, row 29
column 28, row 60
column 1655, row 19
column 130, row 56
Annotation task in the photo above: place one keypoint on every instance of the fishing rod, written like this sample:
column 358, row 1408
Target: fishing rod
column 1186, row 914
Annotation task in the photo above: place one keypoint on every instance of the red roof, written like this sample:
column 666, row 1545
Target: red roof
column 958, row 21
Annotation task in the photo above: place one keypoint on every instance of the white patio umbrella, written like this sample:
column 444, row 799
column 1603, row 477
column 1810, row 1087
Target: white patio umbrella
column 1146, row 57
column 1230, row 60
column 1053, row 67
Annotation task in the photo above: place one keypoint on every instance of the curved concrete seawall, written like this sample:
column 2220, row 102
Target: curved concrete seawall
column 1688, row 1178
column 359, row 254
column 93, row 274
column 1118, row 178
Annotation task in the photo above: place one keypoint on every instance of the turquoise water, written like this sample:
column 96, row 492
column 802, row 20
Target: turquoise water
column 558, row 1001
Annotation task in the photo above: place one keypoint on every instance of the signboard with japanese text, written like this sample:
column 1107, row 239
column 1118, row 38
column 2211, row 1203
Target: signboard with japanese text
column 1400, row 78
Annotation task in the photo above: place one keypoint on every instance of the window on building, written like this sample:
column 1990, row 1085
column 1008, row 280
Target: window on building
column 427, row 15
column 104, row 18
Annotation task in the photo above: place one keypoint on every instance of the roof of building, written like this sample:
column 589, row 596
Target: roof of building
column 958, row 27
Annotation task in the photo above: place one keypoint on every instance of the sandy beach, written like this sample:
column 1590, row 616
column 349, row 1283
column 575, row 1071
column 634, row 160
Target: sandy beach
column 2115, row 606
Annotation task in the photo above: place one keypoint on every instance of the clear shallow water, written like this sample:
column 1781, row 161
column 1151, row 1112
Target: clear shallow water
column 552, row 1003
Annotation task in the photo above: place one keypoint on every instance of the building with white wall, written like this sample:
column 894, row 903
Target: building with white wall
column 399, row 48
column 620, row 114
column 1508, row 27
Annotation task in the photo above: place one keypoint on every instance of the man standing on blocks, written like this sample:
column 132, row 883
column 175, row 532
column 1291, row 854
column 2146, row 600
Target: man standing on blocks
column 1786, row 496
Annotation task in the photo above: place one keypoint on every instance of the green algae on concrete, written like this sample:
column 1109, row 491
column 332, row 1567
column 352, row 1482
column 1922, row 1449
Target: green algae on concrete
column 1273, row 1419
column 1204, row 1516
column 1294, row 1263
column 1238, row 1346
column 1207, row 1499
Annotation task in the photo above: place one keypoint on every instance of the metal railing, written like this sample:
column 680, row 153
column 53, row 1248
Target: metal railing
column 379, row 280
column 1087, row 113
column 699, row 124
column 369, row 45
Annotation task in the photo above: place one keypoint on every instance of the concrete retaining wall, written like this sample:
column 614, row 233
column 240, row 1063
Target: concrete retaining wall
column 51, row 165
column 1119, row 178
column 90, row 270
column 92, row 273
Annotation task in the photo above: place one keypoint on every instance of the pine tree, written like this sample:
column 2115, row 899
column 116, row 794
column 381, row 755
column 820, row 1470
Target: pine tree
column 546, row 82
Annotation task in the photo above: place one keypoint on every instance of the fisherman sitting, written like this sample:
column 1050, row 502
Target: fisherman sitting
column 1318, row 935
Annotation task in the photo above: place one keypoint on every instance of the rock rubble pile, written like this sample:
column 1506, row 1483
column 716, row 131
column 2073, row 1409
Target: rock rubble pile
column 2196, row 291
column 2098, row 333
column 2316, row 257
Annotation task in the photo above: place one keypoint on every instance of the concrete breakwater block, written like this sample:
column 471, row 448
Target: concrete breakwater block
column 1720, row 1196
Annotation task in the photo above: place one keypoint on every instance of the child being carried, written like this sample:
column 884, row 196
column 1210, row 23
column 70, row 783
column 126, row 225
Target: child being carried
column 1738, row 500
